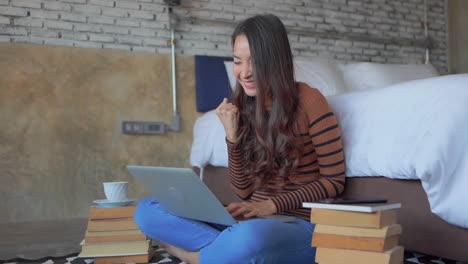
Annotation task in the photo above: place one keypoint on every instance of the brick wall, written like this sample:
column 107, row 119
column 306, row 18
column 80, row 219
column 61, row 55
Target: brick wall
column 385, row 31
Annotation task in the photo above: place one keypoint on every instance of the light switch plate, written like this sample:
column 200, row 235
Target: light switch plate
column 143, row 127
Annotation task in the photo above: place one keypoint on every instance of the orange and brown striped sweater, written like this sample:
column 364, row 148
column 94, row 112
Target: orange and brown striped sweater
column 321, row 170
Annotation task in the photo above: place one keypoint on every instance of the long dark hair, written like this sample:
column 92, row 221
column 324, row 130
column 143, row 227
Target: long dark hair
column 269, row 148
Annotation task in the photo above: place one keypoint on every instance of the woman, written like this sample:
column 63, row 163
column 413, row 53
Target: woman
column 284, row 149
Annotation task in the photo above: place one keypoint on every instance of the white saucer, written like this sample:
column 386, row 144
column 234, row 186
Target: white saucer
column 106, row 203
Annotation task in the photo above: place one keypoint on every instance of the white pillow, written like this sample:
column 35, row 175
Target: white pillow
column 365, row 75
column 229, row 66
column 318, row 73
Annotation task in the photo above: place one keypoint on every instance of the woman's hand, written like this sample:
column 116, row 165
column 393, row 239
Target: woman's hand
column 229, row 116
column 252, row 209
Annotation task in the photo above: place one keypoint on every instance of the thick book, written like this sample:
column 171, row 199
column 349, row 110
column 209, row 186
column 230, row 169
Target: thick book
column 114, row 236
column 111, row 212
column 129, row 248
column 125, row 259
column 346, row 256
column 357, row 219
column 112, row 224
column 365, row 208
column 378, row 244
column 386, row 231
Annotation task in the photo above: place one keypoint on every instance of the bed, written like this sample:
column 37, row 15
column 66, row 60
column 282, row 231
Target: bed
column 404, row 133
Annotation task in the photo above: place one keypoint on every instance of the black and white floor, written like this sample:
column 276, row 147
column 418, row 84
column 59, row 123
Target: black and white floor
column 161, row 257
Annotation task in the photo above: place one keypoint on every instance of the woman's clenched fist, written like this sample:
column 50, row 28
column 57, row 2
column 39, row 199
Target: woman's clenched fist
column 229, row 116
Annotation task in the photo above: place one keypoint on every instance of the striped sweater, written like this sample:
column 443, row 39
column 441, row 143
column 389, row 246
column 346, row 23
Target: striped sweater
column 321, row 170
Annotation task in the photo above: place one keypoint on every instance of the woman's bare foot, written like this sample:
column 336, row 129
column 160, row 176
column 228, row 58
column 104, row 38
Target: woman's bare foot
column 184, row 255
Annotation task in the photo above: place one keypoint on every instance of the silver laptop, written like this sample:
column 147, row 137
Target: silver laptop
column 181, row 192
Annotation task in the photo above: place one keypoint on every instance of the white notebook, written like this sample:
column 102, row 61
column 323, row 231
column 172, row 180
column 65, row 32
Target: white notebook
column 365, row 208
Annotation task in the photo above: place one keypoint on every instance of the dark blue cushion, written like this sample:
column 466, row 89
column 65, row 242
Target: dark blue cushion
column 212, row 83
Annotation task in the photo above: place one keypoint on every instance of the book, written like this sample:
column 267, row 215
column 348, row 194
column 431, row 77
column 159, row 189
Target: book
column 129, row 248
column 386, row 231
column 96, row 212
column 125, row 259
column 346, row 256
column 365, row 208
column 378, row 244
column 357, row 219
column 112, row 224
column 114, row 236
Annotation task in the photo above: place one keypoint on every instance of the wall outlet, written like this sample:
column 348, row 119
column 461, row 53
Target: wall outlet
column 143, row 128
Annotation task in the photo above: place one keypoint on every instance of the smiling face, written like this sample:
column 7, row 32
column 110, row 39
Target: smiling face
column 243, row 65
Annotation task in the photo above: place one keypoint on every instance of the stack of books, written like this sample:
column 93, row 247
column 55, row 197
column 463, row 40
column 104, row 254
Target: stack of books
column 114, row 237
column 356, row 233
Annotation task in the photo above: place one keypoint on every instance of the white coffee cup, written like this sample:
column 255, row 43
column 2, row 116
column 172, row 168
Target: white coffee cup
column 116, row 191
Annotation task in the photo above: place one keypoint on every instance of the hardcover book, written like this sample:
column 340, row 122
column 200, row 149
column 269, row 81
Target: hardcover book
column 129, row 248
column 346, row 256
column 357, row 219
column 111, row 212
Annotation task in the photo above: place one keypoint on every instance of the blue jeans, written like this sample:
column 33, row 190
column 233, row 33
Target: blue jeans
column 253, row 241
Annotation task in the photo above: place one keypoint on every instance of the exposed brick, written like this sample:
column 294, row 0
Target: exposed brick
column 153, row 8
column 5, row 38
column 101, row 20
column 4, row 20
column 74, row 36
column 115, row 30
column 13, row 31
column 234, row 9
column 87, row 44
column 75, row 1
column 101, row 38
column 44, row 33
column 73, row 17
column 59, row 42
column 115, row 12
column 152, row 24
column 88, row 28
column 108, row 3
column 142, row 14
column 44, row 14
column 127, row 4
column 129, row 23
column 117, row 46
column 28, row 22
column 154, row 42
column 129, row 40
column 27, row 39
column 53, row 5
column 370, row 52
column 354, row 50
column 87, row 9
column 12, row 11
column 26, row 3
column 143, row 32
column 58, row 25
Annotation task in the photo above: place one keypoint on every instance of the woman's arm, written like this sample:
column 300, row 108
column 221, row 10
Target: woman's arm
column 240, row 183
column 229, row 116
column 326, row 139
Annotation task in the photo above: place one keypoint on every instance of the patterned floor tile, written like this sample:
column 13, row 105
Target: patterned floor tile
column 162, row 257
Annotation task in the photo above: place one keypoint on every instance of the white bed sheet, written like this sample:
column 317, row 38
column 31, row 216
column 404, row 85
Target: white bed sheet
column 412, row 130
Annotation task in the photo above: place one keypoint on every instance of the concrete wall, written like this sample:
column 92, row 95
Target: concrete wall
column 349, row 30
column 458, row 35
column 60, row 114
